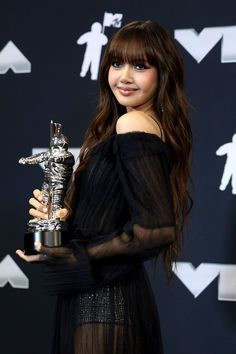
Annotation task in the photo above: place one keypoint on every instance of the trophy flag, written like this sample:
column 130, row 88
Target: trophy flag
column 112, row 20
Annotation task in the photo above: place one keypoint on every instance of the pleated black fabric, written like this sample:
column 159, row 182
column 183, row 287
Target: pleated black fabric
column 123, row 217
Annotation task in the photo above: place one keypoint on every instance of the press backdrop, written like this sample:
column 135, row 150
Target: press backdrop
column 49, row 56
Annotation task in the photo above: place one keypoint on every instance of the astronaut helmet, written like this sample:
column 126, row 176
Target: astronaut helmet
column 59, row 141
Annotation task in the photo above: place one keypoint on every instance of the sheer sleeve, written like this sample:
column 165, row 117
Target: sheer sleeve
column 144, row 177
column 143, row 168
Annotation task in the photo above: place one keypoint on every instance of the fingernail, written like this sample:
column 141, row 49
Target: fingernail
column 45, row 210
column 37, row 245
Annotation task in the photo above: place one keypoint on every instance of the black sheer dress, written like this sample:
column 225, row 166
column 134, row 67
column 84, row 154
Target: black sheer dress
column 123, row 217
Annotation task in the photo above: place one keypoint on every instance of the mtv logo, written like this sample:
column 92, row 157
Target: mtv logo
column 198, row 45
column 12, row 58
column 11, row 273
column 196, row 280
column 112, row 20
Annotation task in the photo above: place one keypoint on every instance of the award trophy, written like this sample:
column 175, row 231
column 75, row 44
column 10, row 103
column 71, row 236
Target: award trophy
column 58, row 168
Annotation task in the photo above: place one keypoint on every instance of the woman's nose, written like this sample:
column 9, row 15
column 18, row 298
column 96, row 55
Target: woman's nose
column 126, row 74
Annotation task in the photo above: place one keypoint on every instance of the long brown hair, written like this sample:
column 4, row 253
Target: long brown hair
column 136, row 42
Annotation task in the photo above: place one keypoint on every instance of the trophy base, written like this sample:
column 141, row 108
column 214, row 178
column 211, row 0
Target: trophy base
column 49, row 238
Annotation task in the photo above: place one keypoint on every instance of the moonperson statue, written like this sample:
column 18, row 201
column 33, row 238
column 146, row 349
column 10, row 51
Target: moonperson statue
column 58, row 168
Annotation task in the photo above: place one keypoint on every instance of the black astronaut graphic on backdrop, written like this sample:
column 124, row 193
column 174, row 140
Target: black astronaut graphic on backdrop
column 58, row 168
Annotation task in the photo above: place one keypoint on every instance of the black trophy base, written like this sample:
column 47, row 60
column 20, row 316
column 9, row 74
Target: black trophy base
column 49, row 238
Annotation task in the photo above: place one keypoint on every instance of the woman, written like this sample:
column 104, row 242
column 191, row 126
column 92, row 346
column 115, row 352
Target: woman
column 127, row 203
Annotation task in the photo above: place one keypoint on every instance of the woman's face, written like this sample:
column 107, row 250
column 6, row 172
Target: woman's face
column 134, row 86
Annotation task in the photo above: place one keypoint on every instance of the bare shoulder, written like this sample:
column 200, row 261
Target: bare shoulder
column 137, row 121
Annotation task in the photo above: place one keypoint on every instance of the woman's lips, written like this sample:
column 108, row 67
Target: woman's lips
column 126, row 91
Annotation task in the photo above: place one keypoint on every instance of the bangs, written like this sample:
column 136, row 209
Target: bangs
column 132, row 48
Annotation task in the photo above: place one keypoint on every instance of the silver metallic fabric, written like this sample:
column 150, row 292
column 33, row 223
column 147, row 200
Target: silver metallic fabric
column 102, row 305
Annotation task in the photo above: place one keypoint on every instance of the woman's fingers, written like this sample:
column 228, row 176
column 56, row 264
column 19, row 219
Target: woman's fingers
column 62, row 214
column 37, row 205
column 38, row 214
column 38, row 194
column 54, row 255
column 39, row 211
column 32, row 220
column 55, row 252
column 31, row 259
column 49, row 251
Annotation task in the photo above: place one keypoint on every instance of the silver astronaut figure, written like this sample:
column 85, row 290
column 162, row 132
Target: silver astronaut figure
column 58, row 168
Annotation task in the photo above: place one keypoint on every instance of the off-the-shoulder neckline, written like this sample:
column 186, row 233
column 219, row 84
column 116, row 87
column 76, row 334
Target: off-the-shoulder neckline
column 132, row 133
column 139, row 132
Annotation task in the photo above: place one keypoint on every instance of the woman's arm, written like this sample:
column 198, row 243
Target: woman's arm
column 144, row 177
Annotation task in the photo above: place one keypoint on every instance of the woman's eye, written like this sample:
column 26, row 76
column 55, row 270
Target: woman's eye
column 116, row 64
column 140, row 66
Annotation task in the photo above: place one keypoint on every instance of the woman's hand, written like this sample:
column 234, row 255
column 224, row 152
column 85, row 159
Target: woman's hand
column 53, row 255
column 40, row 211
column 34, row 258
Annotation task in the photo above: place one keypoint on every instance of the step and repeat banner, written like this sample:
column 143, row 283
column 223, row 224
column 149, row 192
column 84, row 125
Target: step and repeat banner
column 49, row 60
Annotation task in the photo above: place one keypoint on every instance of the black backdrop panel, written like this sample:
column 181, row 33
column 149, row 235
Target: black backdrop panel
column 38, row 44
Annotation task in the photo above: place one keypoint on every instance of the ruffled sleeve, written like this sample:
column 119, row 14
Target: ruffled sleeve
column 143, row 165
